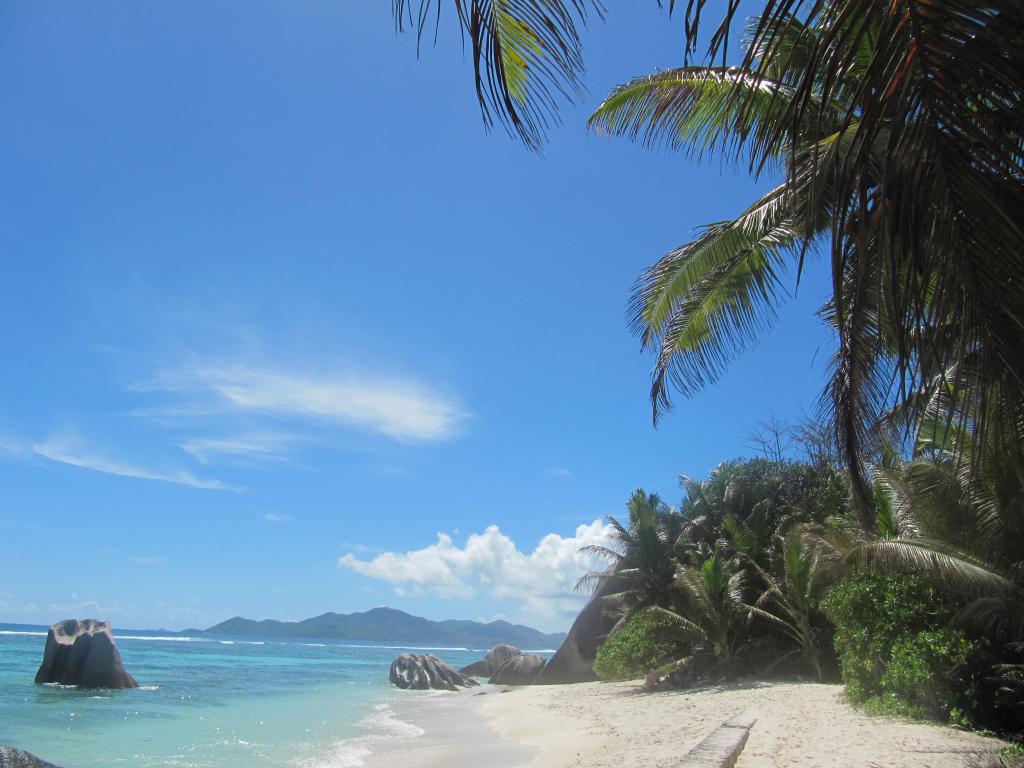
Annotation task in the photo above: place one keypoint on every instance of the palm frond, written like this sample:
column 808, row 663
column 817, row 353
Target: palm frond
column 527, row 55
column 697, row 109
column 939, row 560
column 701, row 304
column 689, row 629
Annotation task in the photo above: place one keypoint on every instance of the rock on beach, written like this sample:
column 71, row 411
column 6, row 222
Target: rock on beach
column 82, row 652
column 421, row 672
column 19, row 758
column 491, row 663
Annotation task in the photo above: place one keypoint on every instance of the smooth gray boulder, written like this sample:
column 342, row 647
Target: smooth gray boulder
column 19, row 758
column 574, row 660
column 82, row 652
column 519, row 670
column 422, row 672
column 490, row 664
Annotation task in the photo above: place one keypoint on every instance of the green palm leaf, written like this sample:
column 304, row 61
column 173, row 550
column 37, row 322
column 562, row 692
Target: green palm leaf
column 527, row 55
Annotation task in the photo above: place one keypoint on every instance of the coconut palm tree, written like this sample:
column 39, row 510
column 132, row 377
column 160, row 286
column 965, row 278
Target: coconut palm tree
column 927, row 192
column 703, row 303
column 639, row 556
column 899, row 317
column 953, row 513
column 789, row 603
column 710, row 612
column 897, row 130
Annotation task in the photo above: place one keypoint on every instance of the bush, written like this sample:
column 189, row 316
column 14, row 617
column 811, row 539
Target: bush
column 923, row 673
column 895, row 651
column 643, row 643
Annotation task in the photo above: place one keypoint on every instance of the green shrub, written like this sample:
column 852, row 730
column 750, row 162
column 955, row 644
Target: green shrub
column 643, row 643
column 895, row 651
column 922, row 673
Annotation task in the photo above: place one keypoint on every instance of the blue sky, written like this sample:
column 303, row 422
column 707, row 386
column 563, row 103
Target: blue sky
column 277, row 312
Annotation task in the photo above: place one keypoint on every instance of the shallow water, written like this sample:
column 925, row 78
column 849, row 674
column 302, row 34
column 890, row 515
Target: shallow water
column 219, row 702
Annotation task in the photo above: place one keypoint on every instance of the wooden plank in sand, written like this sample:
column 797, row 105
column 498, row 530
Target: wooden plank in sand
column 721, row 747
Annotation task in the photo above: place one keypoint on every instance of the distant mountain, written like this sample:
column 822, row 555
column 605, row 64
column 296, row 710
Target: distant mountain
column 389, row 624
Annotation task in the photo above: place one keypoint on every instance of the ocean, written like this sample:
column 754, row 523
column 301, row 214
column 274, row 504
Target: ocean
column 221, row 702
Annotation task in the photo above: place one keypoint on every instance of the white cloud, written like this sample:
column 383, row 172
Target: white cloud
column 66, row 452
column 401, row 409
column 492, row 564
column 559, row 472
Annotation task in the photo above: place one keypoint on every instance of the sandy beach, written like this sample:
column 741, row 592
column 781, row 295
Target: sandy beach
column 615, row 725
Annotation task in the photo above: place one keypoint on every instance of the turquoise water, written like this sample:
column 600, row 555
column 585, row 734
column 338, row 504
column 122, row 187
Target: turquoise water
column 211, row 702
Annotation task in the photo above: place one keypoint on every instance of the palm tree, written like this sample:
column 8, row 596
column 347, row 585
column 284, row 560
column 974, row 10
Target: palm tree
column 900, row 317
column 703, row 303
column 928, row 191
column 953, row 514
column 789, row 604
column 711, row 613
column 897, row 129
column 640, row 555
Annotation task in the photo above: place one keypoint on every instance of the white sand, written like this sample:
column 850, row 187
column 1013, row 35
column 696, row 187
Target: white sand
column 614, row 725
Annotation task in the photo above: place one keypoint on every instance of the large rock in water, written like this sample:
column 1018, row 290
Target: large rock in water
column 19, row 758
column 82, row 652
column 492, row 662
column 519, row 670
column 574, row 661
column 425, row 672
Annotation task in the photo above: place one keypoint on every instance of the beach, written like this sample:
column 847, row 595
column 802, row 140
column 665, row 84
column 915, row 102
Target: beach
column 210, row 702
column 616, row 725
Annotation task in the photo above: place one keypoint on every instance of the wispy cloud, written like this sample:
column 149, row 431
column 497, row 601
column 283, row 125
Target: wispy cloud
column 491, row 563
column 247, row 448
column 559, row 472
column 402, row 409
column 9, row 447
column 278, row 517
column 67, row 452
column 78, row 606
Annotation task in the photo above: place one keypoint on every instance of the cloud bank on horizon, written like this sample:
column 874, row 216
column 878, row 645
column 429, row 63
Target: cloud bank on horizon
column 541, row 582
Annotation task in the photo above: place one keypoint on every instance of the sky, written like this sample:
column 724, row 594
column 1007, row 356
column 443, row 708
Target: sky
column 285, row 330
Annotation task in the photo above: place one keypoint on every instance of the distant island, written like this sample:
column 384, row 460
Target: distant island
column 389, row 624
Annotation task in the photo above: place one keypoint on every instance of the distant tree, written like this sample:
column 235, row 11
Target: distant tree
column 772, row 437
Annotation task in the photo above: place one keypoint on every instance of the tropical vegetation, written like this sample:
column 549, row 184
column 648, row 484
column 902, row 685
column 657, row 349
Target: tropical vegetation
column 643, row 642
column 892, row 555
column 773, row 574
